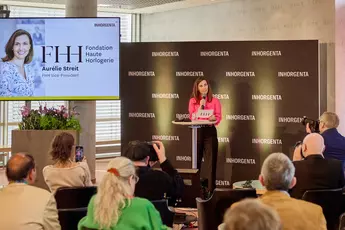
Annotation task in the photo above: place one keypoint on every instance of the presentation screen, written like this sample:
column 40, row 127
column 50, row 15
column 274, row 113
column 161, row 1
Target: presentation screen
column 59, row 58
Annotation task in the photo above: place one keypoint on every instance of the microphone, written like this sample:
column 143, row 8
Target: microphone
column 204, row 98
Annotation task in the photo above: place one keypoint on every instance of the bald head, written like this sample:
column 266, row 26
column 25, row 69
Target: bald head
column 313, row 144
column 19, row 167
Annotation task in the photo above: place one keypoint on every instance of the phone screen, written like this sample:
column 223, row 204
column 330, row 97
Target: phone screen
column 79, row 153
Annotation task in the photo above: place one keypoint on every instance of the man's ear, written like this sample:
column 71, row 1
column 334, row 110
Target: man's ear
column 304, row 148
column 31, row 176
column 293, row 183
column 147, row 160
column 261, row 179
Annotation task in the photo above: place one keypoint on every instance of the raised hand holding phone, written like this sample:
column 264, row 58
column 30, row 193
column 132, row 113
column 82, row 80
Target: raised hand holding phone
column 160, row 150
column 79, row 153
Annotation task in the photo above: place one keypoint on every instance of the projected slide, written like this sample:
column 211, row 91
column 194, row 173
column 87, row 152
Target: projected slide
column 59, row 58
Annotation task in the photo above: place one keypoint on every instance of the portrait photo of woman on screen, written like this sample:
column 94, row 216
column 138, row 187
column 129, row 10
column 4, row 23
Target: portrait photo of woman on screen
column 16, row 75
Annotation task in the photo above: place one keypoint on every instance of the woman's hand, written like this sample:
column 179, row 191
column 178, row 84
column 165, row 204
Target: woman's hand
column 212, row 118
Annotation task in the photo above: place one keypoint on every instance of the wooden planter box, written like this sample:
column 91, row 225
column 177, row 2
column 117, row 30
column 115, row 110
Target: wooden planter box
column 38, row 143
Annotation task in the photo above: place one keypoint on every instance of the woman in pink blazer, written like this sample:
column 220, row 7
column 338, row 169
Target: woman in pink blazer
column 207, row 147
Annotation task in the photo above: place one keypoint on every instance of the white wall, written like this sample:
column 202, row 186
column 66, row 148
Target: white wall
column 340, row 62
column 244, row 20
column 251, row 20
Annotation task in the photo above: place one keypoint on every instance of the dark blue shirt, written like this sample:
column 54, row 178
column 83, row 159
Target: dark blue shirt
column 335, row 145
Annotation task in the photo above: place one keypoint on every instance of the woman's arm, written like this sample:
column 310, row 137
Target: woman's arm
column 217, row 110
column 87, row 175
column 191, row 108
column 155, row 219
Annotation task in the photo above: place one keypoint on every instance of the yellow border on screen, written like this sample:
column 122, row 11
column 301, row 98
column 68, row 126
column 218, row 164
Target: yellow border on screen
column 57, row 98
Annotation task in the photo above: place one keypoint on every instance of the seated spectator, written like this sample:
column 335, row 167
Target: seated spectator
column 25, row 207
column 277, row 175
column 316, row 172
column 251, row 214
column 114, row 207
column 154, row 184
column 65, row 172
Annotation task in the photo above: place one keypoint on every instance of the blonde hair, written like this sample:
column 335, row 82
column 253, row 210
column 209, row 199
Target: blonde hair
column 251, row 214
column 330, row 119
column 113, row 192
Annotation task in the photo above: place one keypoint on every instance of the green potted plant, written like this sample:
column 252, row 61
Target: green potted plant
column 45, row 118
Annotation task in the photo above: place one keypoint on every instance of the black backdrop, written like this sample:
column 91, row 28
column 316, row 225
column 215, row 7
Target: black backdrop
column 265, row 88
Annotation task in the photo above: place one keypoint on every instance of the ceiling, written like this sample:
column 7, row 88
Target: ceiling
column 125, row 6
column 122, row 4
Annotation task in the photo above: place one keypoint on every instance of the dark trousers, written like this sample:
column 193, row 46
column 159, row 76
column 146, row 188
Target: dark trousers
column 208, row 148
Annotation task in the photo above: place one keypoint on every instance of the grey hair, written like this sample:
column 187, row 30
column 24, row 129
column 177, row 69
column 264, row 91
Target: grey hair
column 330, row 119
column 251, row 214
column 278, row 172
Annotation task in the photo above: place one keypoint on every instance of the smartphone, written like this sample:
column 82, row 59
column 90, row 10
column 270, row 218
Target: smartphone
column 79, row 153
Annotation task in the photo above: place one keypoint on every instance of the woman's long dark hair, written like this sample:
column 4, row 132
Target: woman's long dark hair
column 196, row 94
column 62, row 146
column 9, row 47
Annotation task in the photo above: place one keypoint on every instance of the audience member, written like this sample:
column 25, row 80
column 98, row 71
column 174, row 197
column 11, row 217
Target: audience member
column 65, row 172
column 334, row 141
column 114, row 207
column 251, row 214
column 316, row 172
column 277, row 175
column 154, row 184
column 24, row 206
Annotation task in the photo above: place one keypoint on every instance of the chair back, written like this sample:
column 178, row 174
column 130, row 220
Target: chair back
column 69, row 218
column 330, row 201
column 342, row 222
column 166, row 214
column 211, row 211
column 74, row 197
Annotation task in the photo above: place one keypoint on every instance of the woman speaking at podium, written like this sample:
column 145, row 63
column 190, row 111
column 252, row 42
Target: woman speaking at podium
column 207, row 147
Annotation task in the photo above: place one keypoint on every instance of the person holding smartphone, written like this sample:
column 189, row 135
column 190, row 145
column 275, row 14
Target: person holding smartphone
column 154, row 184
column 207, row 146
column 66, row 171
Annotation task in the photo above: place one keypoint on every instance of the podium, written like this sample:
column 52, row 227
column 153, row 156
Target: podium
column 194, row 125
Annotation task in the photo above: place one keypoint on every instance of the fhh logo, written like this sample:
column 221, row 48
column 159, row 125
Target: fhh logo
column 57, row 53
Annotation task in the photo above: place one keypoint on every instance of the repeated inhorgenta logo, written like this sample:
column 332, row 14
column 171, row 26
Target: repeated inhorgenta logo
column 221, row 96
column 141, row 73
column 214, row 53
column 290, row 119
column 293, row 74
column 267, row 97
column 234, row 117
column 240, row 74
column 222, row 183
column 243, row 161
column 142, row 115
column 223, row 139
column 183, row 158
column 165, row 96
column 189, row 73
column 165, row 54
column 181, row 116
column 165, row 138
column 266, row 53
column 267, row 141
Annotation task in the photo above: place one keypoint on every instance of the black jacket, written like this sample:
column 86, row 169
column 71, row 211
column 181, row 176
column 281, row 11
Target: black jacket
column 157, row 185
column 315, row 172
